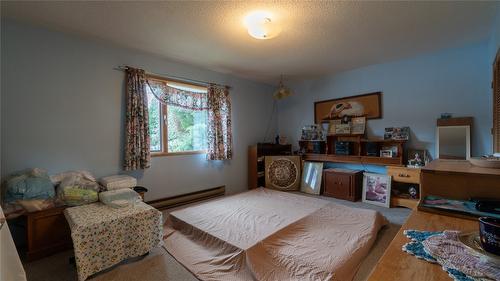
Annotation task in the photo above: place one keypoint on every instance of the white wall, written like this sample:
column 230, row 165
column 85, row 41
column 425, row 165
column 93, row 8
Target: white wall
column 63, row 109
column 415, row 92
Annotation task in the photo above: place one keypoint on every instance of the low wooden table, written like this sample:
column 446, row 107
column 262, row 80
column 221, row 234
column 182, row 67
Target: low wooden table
column 398, row 265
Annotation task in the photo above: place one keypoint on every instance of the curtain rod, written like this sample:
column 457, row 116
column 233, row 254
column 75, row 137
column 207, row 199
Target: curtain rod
column 180, row 79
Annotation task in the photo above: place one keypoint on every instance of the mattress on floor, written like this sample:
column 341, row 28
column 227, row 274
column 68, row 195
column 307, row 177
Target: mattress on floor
column 271, row 235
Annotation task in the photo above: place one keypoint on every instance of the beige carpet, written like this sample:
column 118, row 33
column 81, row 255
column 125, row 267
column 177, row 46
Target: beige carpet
column 160, row 266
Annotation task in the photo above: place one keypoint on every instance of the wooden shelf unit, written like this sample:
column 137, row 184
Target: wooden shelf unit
column 256, row 165
column 358, row 154
column 373, row 160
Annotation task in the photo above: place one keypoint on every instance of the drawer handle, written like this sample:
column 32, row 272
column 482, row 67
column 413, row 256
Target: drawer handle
column 404, row 175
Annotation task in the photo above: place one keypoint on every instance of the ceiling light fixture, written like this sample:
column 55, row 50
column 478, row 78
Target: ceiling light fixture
column 261, row 26
column 282, row 91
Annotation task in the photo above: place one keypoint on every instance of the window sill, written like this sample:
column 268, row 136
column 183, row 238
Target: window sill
column 160, row 154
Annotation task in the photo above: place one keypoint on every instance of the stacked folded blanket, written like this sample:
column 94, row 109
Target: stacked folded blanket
column 118, row 182
column 120, row 198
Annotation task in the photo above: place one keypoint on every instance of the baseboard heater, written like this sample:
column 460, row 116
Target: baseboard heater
column 183, row 199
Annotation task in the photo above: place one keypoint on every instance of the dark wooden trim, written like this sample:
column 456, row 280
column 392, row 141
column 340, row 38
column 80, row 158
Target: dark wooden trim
column 184, row 194
column 354, row 159
column 458, row 121
column 497, row 57
column 379, row 94
column 153, row 202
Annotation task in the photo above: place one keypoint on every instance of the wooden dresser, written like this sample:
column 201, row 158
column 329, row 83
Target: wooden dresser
column 454, row 179
column 459, row 179
column 48, row 233
column 342, row 184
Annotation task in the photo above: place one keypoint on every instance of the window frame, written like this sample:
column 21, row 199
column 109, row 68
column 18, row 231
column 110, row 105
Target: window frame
column 164, row 124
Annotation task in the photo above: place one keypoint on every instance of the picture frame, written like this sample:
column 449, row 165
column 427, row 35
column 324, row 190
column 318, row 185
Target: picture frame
column 393, row 148
column 377, row 189
column 282, row 172
column 343, row 129
column 332, row 126
column 386, row 153
column 358, row 125
column 312, row 173
column 397, row 133
column 417, row 158
column 369, row 105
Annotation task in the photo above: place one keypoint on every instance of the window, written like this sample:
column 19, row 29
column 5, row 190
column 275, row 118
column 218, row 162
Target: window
column 174, row 129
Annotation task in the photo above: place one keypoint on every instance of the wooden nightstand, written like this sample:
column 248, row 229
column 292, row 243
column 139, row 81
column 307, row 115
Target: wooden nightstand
column 404, row 176
column 47, row 232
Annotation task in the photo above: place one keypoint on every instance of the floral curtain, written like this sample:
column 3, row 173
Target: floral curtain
column 219, row 134
column 137, row 139
column 176, row 97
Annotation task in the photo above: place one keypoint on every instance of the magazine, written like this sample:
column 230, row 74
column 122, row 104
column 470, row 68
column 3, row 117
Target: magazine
column 466, row 207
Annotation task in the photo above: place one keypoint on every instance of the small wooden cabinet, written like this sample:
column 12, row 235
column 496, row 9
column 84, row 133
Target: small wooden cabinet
column 342, row 184
column 42, row 233
column 404, row 176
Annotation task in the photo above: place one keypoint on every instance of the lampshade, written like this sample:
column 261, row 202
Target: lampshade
column 282, row 91
column 261, row 26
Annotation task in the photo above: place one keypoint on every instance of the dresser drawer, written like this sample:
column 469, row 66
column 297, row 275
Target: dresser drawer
column 402, row 174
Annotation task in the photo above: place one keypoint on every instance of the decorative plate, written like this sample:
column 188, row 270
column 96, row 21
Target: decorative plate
column 283, row 172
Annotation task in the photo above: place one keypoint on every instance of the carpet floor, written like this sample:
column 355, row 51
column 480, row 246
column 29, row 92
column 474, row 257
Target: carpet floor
column 160, row 266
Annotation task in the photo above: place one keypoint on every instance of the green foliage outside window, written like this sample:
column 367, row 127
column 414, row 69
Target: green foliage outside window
column 186, row 129
column 154, row 123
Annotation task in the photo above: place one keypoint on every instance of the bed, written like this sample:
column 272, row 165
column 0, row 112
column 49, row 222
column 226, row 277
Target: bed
column 265, row 235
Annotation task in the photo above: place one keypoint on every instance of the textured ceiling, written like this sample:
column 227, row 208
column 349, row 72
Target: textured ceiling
column 317, row 38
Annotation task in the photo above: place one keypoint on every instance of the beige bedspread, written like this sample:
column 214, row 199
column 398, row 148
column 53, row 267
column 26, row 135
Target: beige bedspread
column 271, row 235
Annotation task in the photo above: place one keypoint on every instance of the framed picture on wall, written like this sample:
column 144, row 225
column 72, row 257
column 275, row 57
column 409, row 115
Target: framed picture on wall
column 369, row 105
column 377, row 189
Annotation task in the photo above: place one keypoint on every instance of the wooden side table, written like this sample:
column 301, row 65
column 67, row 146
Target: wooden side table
column 47, row 233
column 396, row 265
column 404, row 175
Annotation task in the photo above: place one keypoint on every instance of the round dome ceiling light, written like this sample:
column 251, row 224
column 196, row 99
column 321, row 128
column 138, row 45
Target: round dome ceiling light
column 261, row 26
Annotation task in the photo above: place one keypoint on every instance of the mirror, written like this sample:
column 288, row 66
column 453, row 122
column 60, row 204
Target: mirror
column 453, row 142
column 311, row 178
